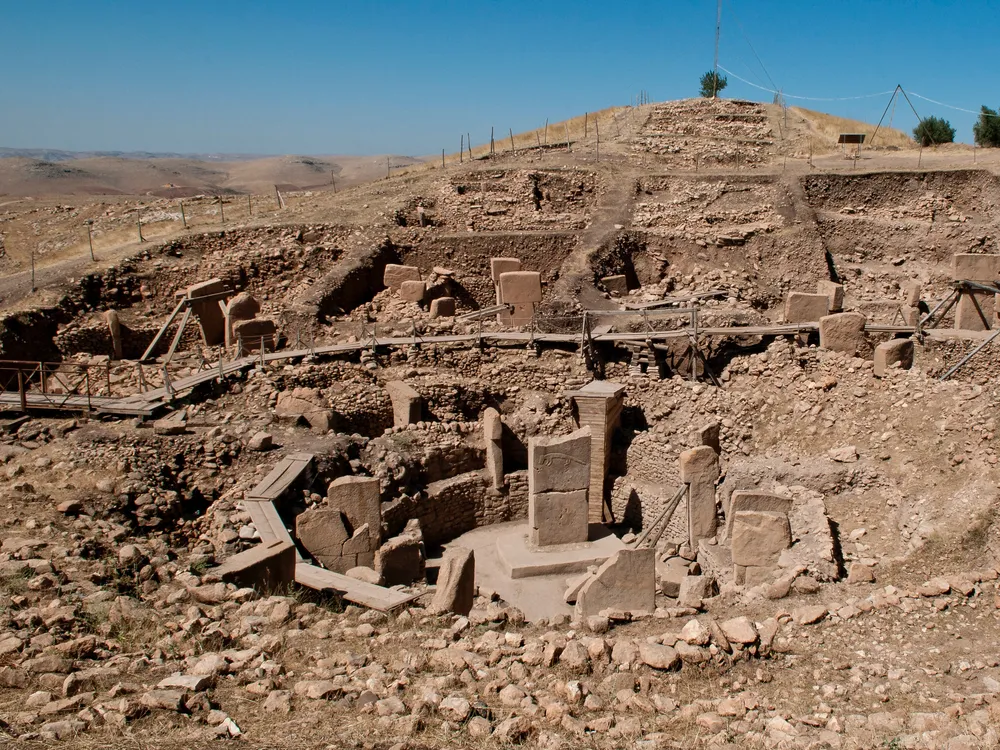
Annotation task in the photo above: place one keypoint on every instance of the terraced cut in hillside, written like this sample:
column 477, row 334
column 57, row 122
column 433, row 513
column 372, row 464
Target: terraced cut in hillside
column 662, row 441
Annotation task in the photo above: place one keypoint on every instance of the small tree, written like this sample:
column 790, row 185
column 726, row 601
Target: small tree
column 712, row 84
column 986, row 131
column 934, row 130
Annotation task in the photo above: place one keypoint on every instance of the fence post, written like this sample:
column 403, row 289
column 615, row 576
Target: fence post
column 20, row 390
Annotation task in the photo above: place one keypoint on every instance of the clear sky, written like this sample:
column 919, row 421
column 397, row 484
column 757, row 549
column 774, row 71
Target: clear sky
column 378, row 76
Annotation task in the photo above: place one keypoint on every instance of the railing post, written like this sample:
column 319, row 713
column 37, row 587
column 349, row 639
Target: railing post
column 20, row 390
column 107, row 369
column 86, row 373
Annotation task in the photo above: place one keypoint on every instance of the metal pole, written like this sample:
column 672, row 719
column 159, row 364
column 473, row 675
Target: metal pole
column 90, row 241
column 33, row 287
column 138, row 221
column 184, row 220
column 222, row 210
column 20, row 389
column 718, row 29
column 969, row 356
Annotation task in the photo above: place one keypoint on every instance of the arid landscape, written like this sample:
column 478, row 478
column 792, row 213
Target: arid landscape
column 670, row 426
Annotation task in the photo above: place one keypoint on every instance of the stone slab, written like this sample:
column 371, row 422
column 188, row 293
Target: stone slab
column 967, row 318
column 503, row 265
column 456, row 583
column 443, row 307
column 842, row 332
column 407, row 405
column 209, row 314
column 700, row 471
column 616, row 286
column 394, row 275
column 255, row 333
column 413, row 291
column 744, row 500
column 360, row 499
column 268, row 567
column 520, row 559
column 975, row 267
column 559, row 464
column 625, row 582
column 558, row 517
column 759, row 538
column 835, row 293
column 360, row 592
column 892, row 352
column 806, row 308
column 520, row 287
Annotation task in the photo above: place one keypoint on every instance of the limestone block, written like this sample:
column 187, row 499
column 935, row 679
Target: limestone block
column 359, row 543
column 209, row 315
column 694, row 591
column 400, row 561
column 394, row 275
column 443, row 307
column 558, row 517
column 842, row 332
column 115, row 329
column 806, row 308
column 967, row 318
column 626, row 581
column 521, row 315
column 322, row 532
column 912, row 291
column 456, row 584
column 559, row 464
column 360, row 500
column 835, row 293
column 253, row 334
column 700, row 471
column 520, row 287
column 975, row 267
column 911, row 315
column 503, row 265
column 307, row 404
column 493, row 434
column 889, row 353
column 742, row 500
column 407, row 405
column 413, row 291
column 710, row 435
column 616, row 286
column 670, row 573
column 243, row 307
column 759, row 537
column 266, row 567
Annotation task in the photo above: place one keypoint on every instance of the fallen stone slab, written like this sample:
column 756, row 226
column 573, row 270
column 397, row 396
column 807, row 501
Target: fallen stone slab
column 890, row 353
column 268, row 567
column 456, row 584
column 626, row 581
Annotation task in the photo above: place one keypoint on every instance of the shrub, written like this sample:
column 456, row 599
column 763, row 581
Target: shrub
column 933, row 130
column 712, row 84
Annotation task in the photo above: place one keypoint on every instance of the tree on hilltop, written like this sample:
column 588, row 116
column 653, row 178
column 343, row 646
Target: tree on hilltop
column 986, row 131
column 934, row 130
column 712, row 84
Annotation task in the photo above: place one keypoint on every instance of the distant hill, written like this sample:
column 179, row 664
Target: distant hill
column 40, row 172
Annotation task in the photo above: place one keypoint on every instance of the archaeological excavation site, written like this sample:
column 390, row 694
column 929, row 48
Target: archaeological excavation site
column 673, row 432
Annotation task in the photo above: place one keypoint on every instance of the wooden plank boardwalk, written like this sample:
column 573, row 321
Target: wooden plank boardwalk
column 260, row 504
column 147, row 403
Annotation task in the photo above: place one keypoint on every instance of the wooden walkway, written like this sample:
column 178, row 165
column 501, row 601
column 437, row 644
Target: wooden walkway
column 261, row 505
column 149, row 402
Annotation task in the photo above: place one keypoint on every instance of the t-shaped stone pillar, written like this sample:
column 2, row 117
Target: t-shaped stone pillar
column 599, row 407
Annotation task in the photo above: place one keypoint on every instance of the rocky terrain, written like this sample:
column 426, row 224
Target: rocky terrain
column 874, row 628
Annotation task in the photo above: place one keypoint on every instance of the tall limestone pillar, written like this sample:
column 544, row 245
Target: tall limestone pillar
column 599, row 407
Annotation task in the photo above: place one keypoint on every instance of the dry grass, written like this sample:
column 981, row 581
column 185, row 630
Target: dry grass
column 823, row 129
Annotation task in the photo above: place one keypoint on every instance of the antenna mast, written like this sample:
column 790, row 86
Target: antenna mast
column 718, row 28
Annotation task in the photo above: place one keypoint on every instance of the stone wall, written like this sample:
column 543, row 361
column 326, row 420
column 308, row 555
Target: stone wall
column 451, row 507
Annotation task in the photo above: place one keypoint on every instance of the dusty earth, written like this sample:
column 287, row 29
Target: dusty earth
column 112, row 529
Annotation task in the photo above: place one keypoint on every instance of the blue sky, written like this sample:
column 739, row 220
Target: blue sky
column 365, row 77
